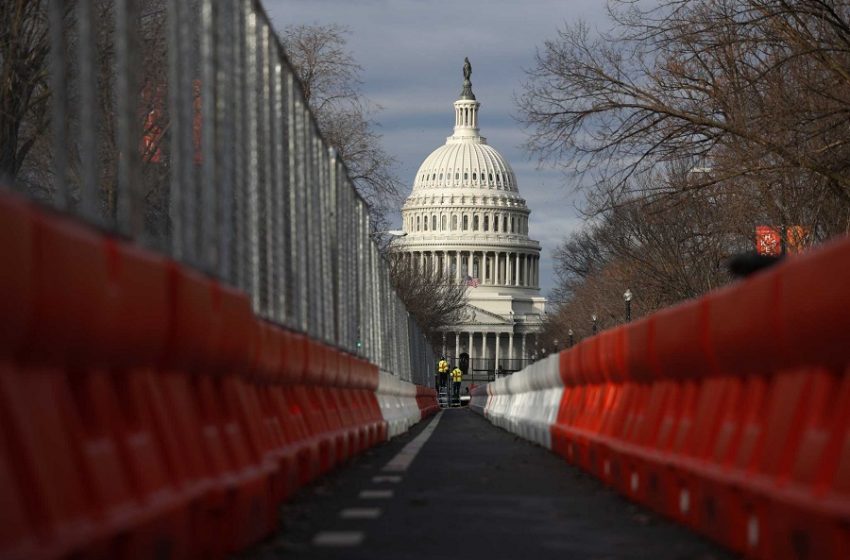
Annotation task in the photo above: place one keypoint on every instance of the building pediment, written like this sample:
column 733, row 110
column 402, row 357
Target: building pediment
column 473, row 315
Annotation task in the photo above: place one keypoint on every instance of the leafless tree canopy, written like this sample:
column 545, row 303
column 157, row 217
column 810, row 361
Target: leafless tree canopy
column 331, row 80
column 693, row 121
column 24, row 90
column 762, row 83
column 434, row 300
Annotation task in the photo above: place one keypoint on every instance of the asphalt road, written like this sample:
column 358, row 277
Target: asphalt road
column 474, row 491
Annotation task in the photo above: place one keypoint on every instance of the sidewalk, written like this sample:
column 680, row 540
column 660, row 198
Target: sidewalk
column 474, row 491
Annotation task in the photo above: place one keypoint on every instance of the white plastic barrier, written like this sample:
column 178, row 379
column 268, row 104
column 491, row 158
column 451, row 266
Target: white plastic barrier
column 525, row 403
column 397, row 400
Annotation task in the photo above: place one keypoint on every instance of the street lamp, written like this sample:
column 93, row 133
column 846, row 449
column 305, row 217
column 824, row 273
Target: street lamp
column 570, row 334
column 555, row 343
column 594, row 322
column 627, row 296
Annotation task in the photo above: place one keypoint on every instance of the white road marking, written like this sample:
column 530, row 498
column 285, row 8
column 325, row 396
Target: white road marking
column 375, row 494
column 405, row 457
column 338, row 538
column 360, row 513
column 395, row 479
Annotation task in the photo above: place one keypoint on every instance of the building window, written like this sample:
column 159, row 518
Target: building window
column 486, row 223
column 425, row 223
column 475, row 223
column 417, row 223
column 465, row 176
column 504, row 224
column 465, row 223
column 454, row 223
column 496, row 223
column 490, row 177
column 443, row 223
column 434, row 222
column 474, row 177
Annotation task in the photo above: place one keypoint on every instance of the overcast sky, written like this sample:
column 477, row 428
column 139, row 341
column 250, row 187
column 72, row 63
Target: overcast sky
column 412, row 53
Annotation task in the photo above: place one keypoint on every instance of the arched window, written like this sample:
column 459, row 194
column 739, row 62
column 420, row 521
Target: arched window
column 465, row 176
column 454, row 223
column 443, row 223
column 504, row 224
column 457, row 176
column 486, row 223
column 434, row 222
column 465, row 222
column 418, row 223
column 474, row 177
column 498, row 178
column 425, row 223
column 496, row 223
column 475, row 223
column 490, row 177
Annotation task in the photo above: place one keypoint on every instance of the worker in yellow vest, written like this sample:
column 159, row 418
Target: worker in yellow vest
column 457, row 375
column 443, row 371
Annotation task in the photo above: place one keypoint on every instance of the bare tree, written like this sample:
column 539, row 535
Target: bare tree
column 24, row 88
column 434, row 300
column 330, row 78
column 750, row 88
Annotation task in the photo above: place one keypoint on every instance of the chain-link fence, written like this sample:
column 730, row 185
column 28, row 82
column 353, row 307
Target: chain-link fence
column 181, row 125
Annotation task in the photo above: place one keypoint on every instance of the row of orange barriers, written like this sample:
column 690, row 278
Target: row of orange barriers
column 145, row 411
column 730, row 413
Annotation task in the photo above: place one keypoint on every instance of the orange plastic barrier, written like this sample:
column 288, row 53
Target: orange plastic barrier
column 145, row 411
column 730, row 413
column 426, row 399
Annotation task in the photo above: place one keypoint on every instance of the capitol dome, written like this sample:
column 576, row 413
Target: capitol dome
column 468, row 163
column 466, row 221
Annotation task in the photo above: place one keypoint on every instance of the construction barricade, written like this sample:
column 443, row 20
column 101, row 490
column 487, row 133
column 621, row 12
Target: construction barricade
column 145, row 411
column 729, row 413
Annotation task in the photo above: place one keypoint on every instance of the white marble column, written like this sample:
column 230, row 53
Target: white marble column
column 517, row 279
column 496, row 364
column 525, row 281
column 522, row 352
column 507, row 269
column 457, row 264
column 511, row 347
column 484, row 345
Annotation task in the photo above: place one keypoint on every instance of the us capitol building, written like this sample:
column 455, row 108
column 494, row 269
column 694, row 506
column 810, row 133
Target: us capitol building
column 466, row 220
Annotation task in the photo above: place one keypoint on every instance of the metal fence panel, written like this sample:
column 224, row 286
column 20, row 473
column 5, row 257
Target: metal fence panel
column 211, row 154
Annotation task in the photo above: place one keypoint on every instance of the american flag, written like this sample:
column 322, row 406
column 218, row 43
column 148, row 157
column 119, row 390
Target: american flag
column 472, row 282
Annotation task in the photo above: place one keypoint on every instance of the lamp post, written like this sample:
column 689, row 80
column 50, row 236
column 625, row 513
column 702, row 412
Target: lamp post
column 627, row 296
column 570, row 334
column 594, row 322
column 555, row 343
